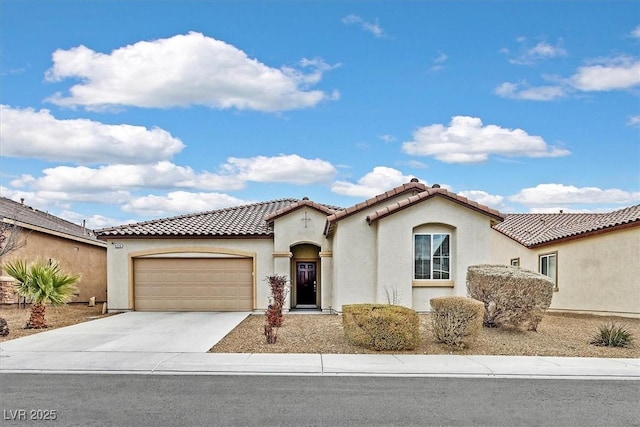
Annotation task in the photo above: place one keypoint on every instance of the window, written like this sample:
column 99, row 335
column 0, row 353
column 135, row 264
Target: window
column 549, row 267
column 432, row 257
column 515, row 262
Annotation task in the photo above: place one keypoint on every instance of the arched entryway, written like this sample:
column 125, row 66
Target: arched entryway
column 305, row 286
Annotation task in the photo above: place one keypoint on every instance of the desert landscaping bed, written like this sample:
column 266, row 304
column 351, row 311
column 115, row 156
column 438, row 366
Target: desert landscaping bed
column 57, row 317
column 557, row 335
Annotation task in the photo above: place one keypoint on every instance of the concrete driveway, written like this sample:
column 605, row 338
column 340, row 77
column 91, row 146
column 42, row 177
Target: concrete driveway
column 140, row 332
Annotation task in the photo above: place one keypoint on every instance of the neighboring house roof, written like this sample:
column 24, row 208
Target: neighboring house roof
column 239, row 221
column 533, row 230
column 433, row 192
column 27, row 217
column 305, row 202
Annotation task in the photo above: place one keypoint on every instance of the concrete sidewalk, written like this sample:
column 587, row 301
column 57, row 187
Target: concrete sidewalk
column 177, row 343
column 317, row 364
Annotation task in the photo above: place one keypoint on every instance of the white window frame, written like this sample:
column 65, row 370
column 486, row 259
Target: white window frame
column 449, row 256
column 543, row 264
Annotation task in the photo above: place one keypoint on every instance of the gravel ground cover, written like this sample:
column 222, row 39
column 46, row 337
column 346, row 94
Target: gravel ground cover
column 56, row 317
column 557, row 335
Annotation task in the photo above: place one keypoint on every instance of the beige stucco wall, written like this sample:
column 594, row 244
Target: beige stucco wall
column 73, row 256
column 120, row 254
column 354, row 261
column 470, row 239
column 597, row 274
column 297, row 234
column 370, row 258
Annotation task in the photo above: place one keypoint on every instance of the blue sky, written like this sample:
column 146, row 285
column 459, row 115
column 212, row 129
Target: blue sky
column 114, row 111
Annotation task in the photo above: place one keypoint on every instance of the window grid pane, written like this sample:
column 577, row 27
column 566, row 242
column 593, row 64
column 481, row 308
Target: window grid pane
column 432, row 256
column 422, row 257
column 548, row 267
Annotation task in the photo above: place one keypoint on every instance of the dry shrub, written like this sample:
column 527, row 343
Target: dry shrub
column 513, row 297
column 456, row 321
column 381, row 326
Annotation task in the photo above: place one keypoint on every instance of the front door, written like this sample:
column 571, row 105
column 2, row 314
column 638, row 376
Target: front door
column 306, row 284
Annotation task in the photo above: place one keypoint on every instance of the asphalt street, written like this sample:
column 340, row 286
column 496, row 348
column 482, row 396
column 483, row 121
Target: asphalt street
column 267, row 400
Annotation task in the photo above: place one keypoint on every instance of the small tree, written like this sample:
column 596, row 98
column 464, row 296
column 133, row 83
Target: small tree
column 274, row 318
column 44, row 283
column 12, row 237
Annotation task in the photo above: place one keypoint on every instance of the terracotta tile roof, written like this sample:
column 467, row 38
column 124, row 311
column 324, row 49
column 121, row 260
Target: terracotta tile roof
column 413, row 187
column 325, row 209
column 429, row 193
column 538, row 229
column 239, row 221
column 31, row 218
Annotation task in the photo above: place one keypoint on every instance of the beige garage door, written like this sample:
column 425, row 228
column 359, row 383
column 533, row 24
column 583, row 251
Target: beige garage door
column 193, row 284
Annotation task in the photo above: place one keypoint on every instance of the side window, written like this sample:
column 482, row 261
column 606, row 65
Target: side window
column 548, row 265
column 432, row 256
column 515, row 262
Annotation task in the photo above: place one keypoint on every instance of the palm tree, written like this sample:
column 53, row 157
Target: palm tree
column 44, row 283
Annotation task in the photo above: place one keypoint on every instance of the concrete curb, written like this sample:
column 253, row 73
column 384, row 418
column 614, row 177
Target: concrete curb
column 319, row 365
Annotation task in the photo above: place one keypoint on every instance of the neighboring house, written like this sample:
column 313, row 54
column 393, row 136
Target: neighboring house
column 593, row 258
column 407, row 245
column 47, row 237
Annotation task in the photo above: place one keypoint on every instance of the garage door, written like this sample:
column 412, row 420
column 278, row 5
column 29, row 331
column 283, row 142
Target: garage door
column 193, row 284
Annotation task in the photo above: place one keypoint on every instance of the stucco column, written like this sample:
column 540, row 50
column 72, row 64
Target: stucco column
column 326, row 290
column 282, row 267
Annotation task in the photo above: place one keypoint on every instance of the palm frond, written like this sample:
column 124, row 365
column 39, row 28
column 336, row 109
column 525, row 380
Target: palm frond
column 42, row 281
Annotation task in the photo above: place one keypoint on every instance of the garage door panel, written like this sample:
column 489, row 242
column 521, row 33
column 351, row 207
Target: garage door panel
column 193, row 284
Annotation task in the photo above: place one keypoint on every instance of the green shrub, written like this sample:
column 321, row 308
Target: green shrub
column 456, row 320
column 381, row 326
column 612, row 335
column 513, row 297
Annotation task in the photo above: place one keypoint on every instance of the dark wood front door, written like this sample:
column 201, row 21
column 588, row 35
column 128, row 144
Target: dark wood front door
column 306, row 283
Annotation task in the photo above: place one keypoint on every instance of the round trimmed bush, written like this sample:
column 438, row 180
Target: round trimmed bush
column 456, row 320
column 513, row 297
column 381, row 326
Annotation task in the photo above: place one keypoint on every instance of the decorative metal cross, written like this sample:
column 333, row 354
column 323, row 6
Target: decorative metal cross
column 306, row 219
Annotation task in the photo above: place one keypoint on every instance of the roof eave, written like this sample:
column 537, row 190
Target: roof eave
column 586, row 234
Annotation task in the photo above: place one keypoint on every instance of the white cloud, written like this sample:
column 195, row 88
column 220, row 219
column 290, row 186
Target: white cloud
column 180, row 202
column 531, row 54
column 182, row 70
column 233, row 175
column 416, row 164
column 467, row 140
column 635, row 33
column 438, row 62
column 37, row 134
column 523, row 91
column 633, row 121
column 484, row 198
column 291, row 169
column 50, row 201
column 118, row 177
column 554, row 195
column 379, row 180
column 94, row 221
column 604, row 74
column 368, row 26
column 620, row 72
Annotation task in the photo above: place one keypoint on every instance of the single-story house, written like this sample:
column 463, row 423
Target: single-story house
column 44, row 236
column 408, row 245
